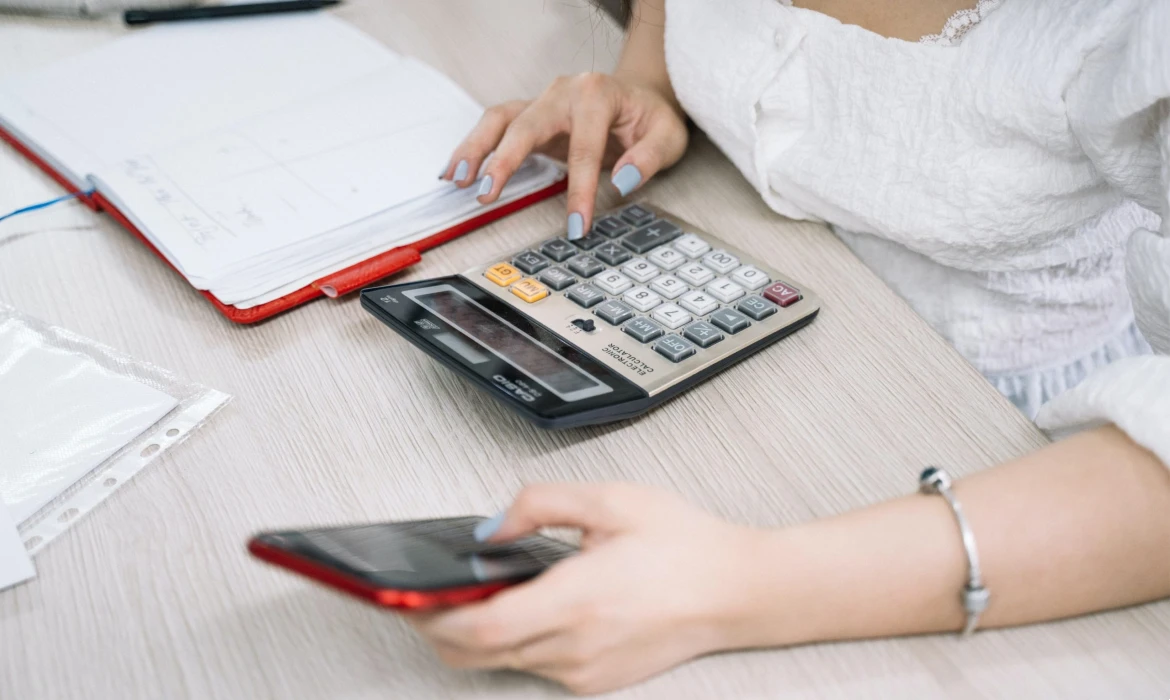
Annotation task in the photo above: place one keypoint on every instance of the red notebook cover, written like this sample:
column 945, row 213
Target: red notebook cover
column 337, row 284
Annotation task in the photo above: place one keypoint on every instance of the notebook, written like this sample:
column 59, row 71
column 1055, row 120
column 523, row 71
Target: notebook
column 269, row 160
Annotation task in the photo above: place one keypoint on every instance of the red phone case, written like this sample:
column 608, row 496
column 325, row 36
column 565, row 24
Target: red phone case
column 383, row 597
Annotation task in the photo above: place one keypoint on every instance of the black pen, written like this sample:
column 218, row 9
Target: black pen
column 134, row 17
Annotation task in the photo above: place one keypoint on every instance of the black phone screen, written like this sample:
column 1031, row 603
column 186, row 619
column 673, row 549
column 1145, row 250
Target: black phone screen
column 422, row 554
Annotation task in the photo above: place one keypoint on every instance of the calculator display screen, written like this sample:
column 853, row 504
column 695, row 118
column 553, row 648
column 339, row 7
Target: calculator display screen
column 489, row 331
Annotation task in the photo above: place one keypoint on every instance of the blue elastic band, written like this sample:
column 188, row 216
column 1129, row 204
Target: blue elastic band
column 43, row 205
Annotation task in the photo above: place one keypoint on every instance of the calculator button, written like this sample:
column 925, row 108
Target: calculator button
column 611, row 226
column 729, row 320
column 558, row 249
column 702, row 334
column 585, row 265
column 589, row 242
column 695, row 274
column 750, row 277
column 721, row 261
column 691, row 245
column 502, row 274
column 667, row 258
column 557, row 278
column 698, row 303
column 613, row 282
column 651, row 236
column 530, row 261
column 669, row 286
column 782, row 294
column 612, row 254
column 586, row 295
column 614, row 312
column 674, row 348
column 641, row 298
column 756, row 307
column 670, row 316
column 530, row 290
column 637, row 214
column 725, row 290
column 642, row 329
column 640, row 270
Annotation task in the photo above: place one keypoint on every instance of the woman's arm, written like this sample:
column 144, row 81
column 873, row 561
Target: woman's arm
column 1079, row 526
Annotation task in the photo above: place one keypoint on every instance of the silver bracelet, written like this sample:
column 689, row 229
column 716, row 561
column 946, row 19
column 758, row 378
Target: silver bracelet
column 975, row 596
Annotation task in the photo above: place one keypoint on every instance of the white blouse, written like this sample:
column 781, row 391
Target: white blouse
column 1009, row 186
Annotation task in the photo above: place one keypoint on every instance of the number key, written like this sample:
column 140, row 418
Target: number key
column 640, row 270
column 750, row 277
column 721, row 261
column 695, row 274
column 667, row 258
column 725, row 290
column 613, row 282
column 698, row 303
column 668, row 286
column 670, row 316
column 641, row 299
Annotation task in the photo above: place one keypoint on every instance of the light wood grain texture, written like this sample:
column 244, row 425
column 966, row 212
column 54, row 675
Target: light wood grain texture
column 336, row 420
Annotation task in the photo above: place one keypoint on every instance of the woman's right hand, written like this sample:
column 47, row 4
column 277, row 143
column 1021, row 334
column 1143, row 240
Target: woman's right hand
column 589, row 121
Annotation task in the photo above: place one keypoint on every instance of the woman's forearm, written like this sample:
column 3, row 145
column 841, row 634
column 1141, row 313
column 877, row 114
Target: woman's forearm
column 1079, row 526
column 643, row 58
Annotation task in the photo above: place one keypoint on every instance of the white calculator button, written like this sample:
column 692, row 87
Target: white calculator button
column 721, row 261
column 698, row 303
column 695, row 274
column 641, row 299
column 669, row 286
column 640, row 270
column 667, row 258
column 691, row 245
column 725, row 290
column 750, row 276
column 612, row 282
column 671, row 316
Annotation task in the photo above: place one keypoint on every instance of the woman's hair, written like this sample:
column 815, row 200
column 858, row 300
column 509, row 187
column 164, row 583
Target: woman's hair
column 618, row 9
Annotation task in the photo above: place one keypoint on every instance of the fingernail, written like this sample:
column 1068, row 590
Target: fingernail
column 627, row 179
column 485, row 187
column 576, row 226
column 486, row 528
column 461, row 171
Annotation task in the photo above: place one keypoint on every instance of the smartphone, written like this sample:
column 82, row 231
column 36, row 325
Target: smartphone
column 412, row 565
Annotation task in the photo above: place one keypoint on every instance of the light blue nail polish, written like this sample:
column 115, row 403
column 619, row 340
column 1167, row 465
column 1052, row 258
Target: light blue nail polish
column 461, row 171
column 485, row 187
column 486, row 528
column 627, row 179
column 576, row 226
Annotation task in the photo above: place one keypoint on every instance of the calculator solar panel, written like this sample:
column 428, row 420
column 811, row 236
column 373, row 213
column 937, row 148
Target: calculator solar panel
column 603, row 328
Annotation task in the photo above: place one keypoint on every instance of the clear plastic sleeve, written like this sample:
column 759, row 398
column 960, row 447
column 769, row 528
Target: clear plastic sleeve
column 78, row 419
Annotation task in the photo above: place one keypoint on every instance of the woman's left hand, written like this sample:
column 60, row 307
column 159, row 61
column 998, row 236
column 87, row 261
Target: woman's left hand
column 657, row 582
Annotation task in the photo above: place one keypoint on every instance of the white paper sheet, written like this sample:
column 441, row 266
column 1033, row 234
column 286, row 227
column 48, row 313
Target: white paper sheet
column 61, row 415
column 15, row 563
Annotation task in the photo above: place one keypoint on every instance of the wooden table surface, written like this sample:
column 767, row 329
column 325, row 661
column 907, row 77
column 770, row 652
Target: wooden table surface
column 335, row 419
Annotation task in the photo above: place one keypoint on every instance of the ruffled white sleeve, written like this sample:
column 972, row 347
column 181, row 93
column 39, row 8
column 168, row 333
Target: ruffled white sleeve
column 1120, row 109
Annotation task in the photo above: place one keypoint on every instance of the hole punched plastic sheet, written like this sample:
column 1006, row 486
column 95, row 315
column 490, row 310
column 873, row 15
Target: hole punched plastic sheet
column 78, row 419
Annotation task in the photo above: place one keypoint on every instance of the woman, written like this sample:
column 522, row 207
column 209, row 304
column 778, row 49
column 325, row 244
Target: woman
column 1006, row 177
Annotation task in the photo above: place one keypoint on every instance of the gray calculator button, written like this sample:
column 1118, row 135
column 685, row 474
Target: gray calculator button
column 586, row 295
column 585, row 265
column 612, row 254
column 614, row 312
column 589, row 242
column 530, row 261
column 642, row 329
column 674, row 348
column 729, row 320
column 558, row 249
column 651, row 236
column 557, row 278
column 637, row 214
column 757, row 307
column 611, row 226
column 702, row 334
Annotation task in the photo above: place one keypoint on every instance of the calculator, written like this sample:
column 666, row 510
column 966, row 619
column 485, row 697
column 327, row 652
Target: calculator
column 603, row 328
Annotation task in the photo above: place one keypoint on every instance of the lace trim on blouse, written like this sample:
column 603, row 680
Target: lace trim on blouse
column 956, row 27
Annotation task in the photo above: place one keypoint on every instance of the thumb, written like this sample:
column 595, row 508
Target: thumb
column 588, row 507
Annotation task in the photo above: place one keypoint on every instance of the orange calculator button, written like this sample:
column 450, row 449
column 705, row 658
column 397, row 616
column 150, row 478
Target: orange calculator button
column 530, row 290
column 502, row 274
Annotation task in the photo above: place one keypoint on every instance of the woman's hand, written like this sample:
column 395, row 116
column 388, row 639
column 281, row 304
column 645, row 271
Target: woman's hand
column 589, row 121
column 657, row 582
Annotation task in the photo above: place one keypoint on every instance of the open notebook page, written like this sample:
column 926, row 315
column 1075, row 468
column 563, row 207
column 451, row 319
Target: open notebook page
column 161, row 85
